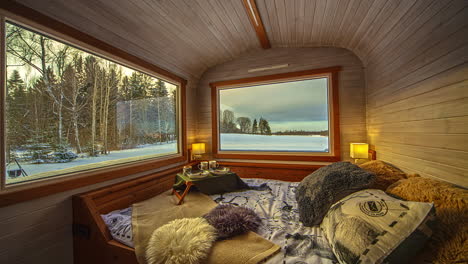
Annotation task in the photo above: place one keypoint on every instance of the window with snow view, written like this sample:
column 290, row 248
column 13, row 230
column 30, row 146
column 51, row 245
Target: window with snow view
column 68, row 110
column 288, row 116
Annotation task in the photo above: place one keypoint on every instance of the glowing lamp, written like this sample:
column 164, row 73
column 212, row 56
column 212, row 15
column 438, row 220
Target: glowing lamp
column 198, row 149
column 359, row 150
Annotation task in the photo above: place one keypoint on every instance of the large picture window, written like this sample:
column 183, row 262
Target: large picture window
column 287, row 116
column 68, row 110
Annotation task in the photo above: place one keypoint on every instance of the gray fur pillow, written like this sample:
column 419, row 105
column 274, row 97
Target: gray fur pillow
column 317, row 192
column 230, row 220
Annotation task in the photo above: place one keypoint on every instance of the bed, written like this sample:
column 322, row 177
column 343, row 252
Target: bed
column 92, row 241
column 274, row 201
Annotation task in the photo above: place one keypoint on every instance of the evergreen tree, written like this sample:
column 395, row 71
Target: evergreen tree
column 264, row 127
column 16, row 112
column 255, row 127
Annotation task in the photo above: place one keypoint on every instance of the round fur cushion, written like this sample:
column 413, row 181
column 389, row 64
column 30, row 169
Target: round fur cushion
column 232, row 220
column 181, row 241
column 449, row 242
column 386, row 174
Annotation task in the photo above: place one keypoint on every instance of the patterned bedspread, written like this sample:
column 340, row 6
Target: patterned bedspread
column 275, row 203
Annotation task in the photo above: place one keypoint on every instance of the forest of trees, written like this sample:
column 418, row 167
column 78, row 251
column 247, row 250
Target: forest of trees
column 229, row 123
column 244, row 125
column 70, row 102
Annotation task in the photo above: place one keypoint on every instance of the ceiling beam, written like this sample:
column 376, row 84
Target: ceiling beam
column 254, row 16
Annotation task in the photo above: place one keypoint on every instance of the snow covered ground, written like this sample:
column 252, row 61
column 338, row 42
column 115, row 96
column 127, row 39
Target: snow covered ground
column 32, row 169
column 274, row 143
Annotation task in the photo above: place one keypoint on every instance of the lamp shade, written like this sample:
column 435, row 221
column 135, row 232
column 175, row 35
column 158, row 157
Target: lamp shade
column 359, row 150
column 198, row 148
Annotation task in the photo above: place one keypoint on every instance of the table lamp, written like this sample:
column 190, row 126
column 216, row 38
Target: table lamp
column 197, row 150
column 359, row 151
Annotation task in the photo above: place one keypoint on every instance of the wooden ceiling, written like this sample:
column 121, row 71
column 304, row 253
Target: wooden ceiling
column 189, row 36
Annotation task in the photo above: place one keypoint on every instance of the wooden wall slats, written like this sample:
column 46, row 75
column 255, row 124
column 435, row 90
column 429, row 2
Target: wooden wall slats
column 449, row 40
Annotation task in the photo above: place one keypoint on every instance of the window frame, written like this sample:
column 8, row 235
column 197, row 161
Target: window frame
column 334, row 135
column 35, row 21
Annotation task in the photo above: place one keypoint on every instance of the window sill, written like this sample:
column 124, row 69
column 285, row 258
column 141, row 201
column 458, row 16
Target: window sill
column 29, row 191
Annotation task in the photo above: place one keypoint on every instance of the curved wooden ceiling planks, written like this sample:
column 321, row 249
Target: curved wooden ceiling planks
column 189, row 36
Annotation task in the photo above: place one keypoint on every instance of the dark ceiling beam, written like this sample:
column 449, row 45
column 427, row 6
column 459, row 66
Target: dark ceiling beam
column 256, row 20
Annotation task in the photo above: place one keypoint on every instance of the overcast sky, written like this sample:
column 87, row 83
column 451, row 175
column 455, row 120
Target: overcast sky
column 301, row 104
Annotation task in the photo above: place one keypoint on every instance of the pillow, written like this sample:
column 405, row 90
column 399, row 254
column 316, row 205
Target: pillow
column 232, row 220
column 181, row 241
column 449, row 242
column 325, row 186
column 119, row 223
column 370, row 226
column 386, row 174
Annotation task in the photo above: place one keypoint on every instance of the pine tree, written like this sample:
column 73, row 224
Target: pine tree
column 255, row 127
column 16, row 104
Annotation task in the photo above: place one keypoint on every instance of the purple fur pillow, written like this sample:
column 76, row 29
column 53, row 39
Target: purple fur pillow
column 232, row 220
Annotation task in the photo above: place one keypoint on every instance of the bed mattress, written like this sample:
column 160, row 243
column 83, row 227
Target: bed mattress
column 275, row 203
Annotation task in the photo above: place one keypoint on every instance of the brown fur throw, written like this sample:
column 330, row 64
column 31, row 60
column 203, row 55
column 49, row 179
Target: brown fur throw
column 386, row 174
column 449, row 240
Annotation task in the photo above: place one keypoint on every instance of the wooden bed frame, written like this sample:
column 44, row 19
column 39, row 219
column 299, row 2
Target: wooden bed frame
column 92, row 241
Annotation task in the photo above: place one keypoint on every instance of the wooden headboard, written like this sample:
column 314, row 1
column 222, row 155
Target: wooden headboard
column 92, row 242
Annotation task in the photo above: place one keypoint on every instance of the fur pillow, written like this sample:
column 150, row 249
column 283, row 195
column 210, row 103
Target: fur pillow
column 327, row 185
column 386, row 174
column 181, row 241
column 449, row 243
column 232, row 220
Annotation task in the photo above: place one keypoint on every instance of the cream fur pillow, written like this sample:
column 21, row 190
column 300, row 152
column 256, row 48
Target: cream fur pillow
column 181, row 241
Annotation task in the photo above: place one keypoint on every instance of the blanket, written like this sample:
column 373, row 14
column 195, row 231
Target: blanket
column 160, row 210
column 275, row 203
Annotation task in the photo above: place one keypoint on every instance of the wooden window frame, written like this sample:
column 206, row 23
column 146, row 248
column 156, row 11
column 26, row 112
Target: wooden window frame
column 331, row 73
column 10, row 10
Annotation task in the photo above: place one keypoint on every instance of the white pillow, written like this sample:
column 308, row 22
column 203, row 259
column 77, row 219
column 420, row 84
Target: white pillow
column 370, row 226
column 119, row 223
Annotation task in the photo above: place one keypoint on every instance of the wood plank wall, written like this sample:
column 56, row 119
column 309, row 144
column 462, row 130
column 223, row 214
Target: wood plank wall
column 417, row 94
column 351, row 85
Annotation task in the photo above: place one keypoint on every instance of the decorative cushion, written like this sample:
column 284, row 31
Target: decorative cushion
column 232, row 220
column 449, row 242
column 386, row 174
column 325, row 186
column 181, row 241
column 370, row 226
column 119, row 223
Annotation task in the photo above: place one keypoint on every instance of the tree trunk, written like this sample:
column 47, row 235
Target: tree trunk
column 93, row 117
column 159, row 120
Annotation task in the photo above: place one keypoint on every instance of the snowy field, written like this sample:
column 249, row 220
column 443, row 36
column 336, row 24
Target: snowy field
column 274, row 143
column 32, row 169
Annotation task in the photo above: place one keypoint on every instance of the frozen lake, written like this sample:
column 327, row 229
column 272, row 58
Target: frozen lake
column 274, row 143
column 32, row 169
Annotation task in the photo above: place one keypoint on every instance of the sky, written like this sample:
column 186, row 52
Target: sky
column 298, row 105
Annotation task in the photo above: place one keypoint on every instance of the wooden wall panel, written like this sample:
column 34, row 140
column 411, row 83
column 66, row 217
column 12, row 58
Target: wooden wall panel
column 417, row 93
column 351, row 78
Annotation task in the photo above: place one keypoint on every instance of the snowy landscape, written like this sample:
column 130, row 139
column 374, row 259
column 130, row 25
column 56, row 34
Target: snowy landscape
column 69, row 110
column 146, row 150
column 274, row 143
